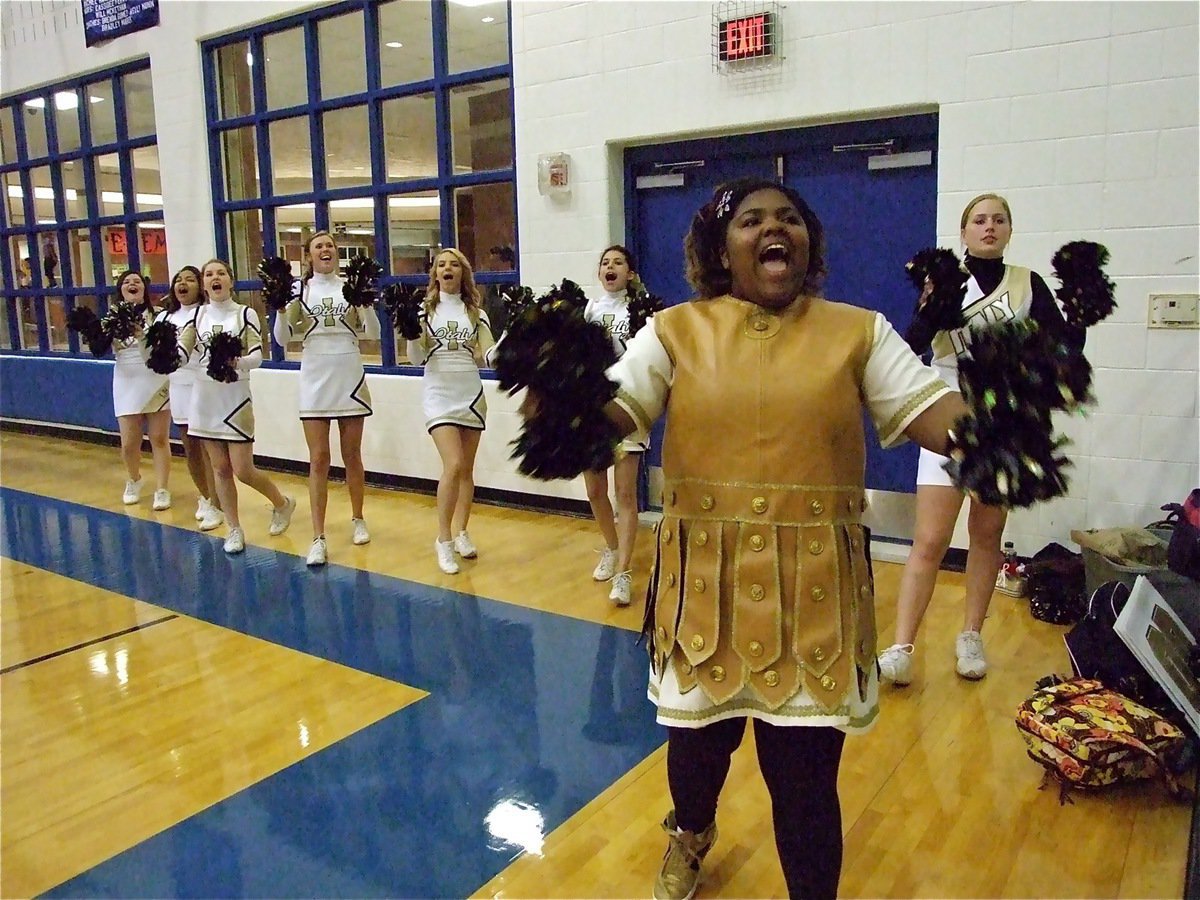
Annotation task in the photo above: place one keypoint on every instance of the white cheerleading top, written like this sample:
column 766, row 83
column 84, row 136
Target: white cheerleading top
column 236, row 319
column 132, row 351
column 449, row 341
column 612, row 311
column 326, row 323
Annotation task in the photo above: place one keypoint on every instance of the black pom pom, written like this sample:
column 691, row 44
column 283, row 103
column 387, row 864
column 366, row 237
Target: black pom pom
column 1086, row 293
column 122, row 320
column 162, row 340
column 1005, row 453
column 517, row 298
column 943, row 268
column 562, row 359
column 362, row 276
column 276, row 275
column 403, row 304
column 84, row 320
column 642, row 305
column 224, row 349
column 559, row 442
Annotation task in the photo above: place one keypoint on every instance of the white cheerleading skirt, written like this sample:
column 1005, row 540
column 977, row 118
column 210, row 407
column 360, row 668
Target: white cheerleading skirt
column 222, row 412
column 333, row 386
column 929, row 464
column 137, row 390
column 181, row 401
column 454, row 398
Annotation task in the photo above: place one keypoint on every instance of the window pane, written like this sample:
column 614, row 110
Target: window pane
column 101, row 113
column 66, row 120
column 233, row 80
column 291, row 156
column 284, row 69
column 414, row 231
column 478, row 35
column 75, row 189
column 239, row 159
column 147, row 188
column 108, row 183
column 43, row 195
column 343, row 63
column 8, row 308
column 405, row 43
column 352, row 220
column 484, row 218
column 347, row 148
column 8, row 136
column 152, row 238
column 56, row 319
column 48, row 247
column 245, row 242
column 27, row 322
column 35, row 127
column 410, row 137
column 83, row 272
column 481, row 126
column 15, row 199
column 18, row 255
column 139, row 104
column 116, row 252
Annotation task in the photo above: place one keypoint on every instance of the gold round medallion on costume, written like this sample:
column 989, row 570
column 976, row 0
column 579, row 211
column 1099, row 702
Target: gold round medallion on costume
column 761, row 325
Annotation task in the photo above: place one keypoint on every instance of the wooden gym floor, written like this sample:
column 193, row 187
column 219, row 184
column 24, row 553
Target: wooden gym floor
column 179, row 723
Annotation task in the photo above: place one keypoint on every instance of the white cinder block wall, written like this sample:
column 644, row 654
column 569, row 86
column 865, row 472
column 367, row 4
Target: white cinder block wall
column 1083, row 114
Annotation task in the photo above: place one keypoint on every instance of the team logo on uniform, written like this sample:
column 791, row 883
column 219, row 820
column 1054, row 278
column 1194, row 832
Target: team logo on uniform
column 331, row 310
column 617, row 327
column 997, row 310
column 453, row 337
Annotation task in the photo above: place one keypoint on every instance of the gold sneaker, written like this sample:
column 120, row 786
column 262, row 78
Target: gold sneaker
column 680, row 873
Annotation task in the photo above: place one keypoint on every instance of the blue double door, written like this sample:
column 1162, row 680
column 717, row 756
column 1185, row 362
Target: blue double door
column 876, row 216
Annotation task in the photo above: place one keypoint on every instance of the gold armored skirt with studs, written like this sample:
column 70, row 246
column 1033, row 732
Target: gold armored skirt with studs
column 762, row 605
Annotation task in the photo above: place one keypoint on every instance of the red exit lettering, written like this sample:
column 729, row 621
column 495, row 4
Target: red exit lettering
column 745, row 38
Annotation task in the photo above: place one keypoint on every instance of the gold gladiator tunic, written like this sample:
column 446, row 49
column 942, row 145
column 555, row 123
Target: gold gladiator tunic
column 762, row 598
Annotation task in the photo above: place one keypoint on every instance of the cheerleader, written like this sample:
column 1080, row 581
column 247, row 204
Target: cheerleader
column 611, row 310
column 333, row 385
column 996, row 292
column 182, row 303
column 140, row 398
column 455, row 341
column 221, row 413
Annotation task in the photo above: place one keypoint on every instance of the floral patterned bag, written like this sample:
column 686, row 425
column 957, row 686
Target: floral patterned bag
column 1087, row 736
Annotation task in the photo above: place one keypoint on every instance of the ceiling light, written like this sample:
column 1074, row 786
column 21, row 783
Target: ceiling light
column 395, row 45
column 472, row 2
column 36, row 103
column 413, row 202
column 488, row 19
column 249, row 58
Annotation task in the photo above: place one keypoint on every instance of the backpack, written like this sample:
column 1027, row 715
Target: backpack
column 1097, row 652
column 1056, row 585
column 1087, row 737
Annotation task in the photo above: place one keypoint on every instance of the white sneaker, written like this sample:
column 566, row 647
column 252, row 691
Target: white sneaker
column 235, row 542
column 317, row 553
column 607, row 566
column 281, row 517
column 445, row 557
column 464, row 547
column 361, row 535
column 162, row 499
column 895, row 664
column 213, row 518
column 133, row 492
column 622, row 584
column 968, row 647
column 202, row 506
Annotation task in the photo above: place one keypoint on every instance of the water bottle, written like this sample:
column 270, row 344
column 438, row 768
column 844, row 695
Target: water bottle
column 1008, row 579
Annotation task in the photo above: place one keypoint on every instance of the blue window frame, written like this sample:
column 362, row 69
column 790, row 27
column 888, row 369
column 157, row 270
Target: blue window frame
column 259, row 123
column 69, row 157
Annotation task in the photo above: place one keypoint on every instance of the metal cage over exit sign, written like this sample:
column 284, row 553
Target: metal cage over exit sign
column 745, row 35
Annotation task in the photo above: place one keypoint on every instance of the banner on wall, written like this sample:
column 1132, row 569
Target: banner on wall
column 104, row 20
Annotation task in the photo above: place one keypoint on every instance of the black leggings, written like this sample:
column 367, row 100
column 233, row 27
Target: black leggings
column 800, row 767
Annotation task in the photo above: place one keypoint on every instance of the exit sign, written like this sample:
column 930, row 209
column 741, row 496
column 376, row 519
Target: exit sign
column 749, row 37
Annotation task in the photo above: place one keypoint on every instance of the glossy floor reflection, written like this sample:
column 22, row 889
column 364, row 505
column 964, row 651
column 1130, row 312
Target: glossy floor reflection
column 529, row 717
